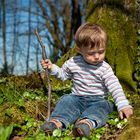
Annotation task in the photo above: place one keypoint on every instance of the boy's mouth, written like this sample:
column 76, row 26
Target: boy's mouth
column 96, row 62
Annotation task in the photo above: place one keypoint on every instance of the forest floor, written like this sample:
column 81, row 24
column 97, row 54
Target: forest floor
column 23, row 108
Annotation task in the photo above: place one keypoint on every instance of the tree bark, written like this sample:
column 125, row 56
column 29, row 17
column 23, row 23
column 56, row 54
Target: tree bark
column 29, row 39
column 5, row 70
column 15, row 38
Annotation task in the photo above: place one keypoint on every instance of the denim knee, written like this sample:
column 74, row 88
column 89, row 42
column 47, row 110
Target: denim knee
column 66, row 110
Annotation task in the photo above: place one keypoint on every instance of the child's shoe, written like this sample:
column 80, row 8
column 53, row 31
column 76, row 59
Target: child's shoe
column 50, row 126
column 82, row 128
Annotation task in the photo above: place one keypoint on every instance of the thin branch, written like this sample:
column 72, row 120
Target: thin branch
column 44, row 56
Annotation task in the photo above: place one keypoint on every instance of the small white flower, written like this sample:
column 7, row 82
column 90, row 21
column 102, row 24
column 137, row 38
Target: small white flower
column 125, row 120
column 98, row 136
column 116, row 120
column 119, row 125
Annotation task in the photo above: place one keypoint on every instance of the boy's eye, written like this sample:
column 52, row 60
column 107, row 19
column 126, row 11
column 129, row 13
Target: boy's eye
column 100, row 52
column 93, row 53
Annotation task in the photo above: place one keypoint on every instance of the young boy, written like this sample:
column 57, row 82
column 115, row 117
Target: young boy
column 92, row 79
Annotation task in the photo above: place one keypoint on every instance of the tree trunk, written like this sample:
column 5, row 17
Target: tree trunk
column 29, row 39
column 5, row 70
column 15, row 38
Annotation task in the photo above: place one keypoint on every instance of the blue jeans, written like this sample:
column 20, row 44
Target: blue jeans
column 72, row 107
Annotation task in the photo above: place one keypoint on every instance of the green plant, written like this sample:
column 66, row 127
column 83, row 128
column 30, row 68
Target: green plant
column 8, row 91
column 5, row 132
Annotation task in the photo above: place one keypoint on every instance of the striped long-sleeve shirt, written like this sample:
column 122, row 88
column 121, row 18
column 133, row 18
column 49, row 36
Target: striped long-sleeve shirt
column 90, row 79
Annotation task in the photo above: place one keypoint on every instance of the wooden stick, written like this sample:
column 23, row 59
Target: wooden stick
column 44, row 57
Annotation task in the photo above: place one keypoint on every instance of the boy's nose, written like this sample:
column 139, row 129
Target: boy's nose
column 96, row 55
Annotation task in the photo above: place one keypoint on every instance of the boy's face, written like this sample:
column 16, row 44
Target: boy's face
column 92, row 56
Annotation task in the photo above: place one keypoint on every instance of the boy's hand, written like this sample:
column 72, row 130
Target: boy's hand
column 126, row 113
column 46, row 64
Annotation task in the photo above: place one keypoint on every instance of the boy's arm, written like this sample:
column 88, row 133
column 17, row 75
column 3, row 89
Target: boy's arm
column 113, row 86
column 60, row 73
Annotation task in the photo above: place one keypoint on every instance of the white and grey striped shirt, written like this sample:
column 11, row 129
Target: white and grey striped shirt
column 91, row 79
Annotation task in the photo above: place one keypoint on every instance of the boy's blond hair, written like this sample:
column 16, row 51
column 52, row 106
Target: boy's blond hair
column 90, row 35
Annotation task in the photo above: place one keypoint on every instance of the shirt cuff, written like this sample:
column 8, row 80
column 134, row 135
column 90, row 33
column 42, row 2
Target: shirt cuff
column 53, row 70
column 123, row 104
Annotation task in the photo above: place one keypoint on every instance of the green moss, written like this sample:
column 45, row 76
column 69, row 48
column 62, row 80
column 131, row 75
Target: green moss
column 131, row 132
column 10, row 113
